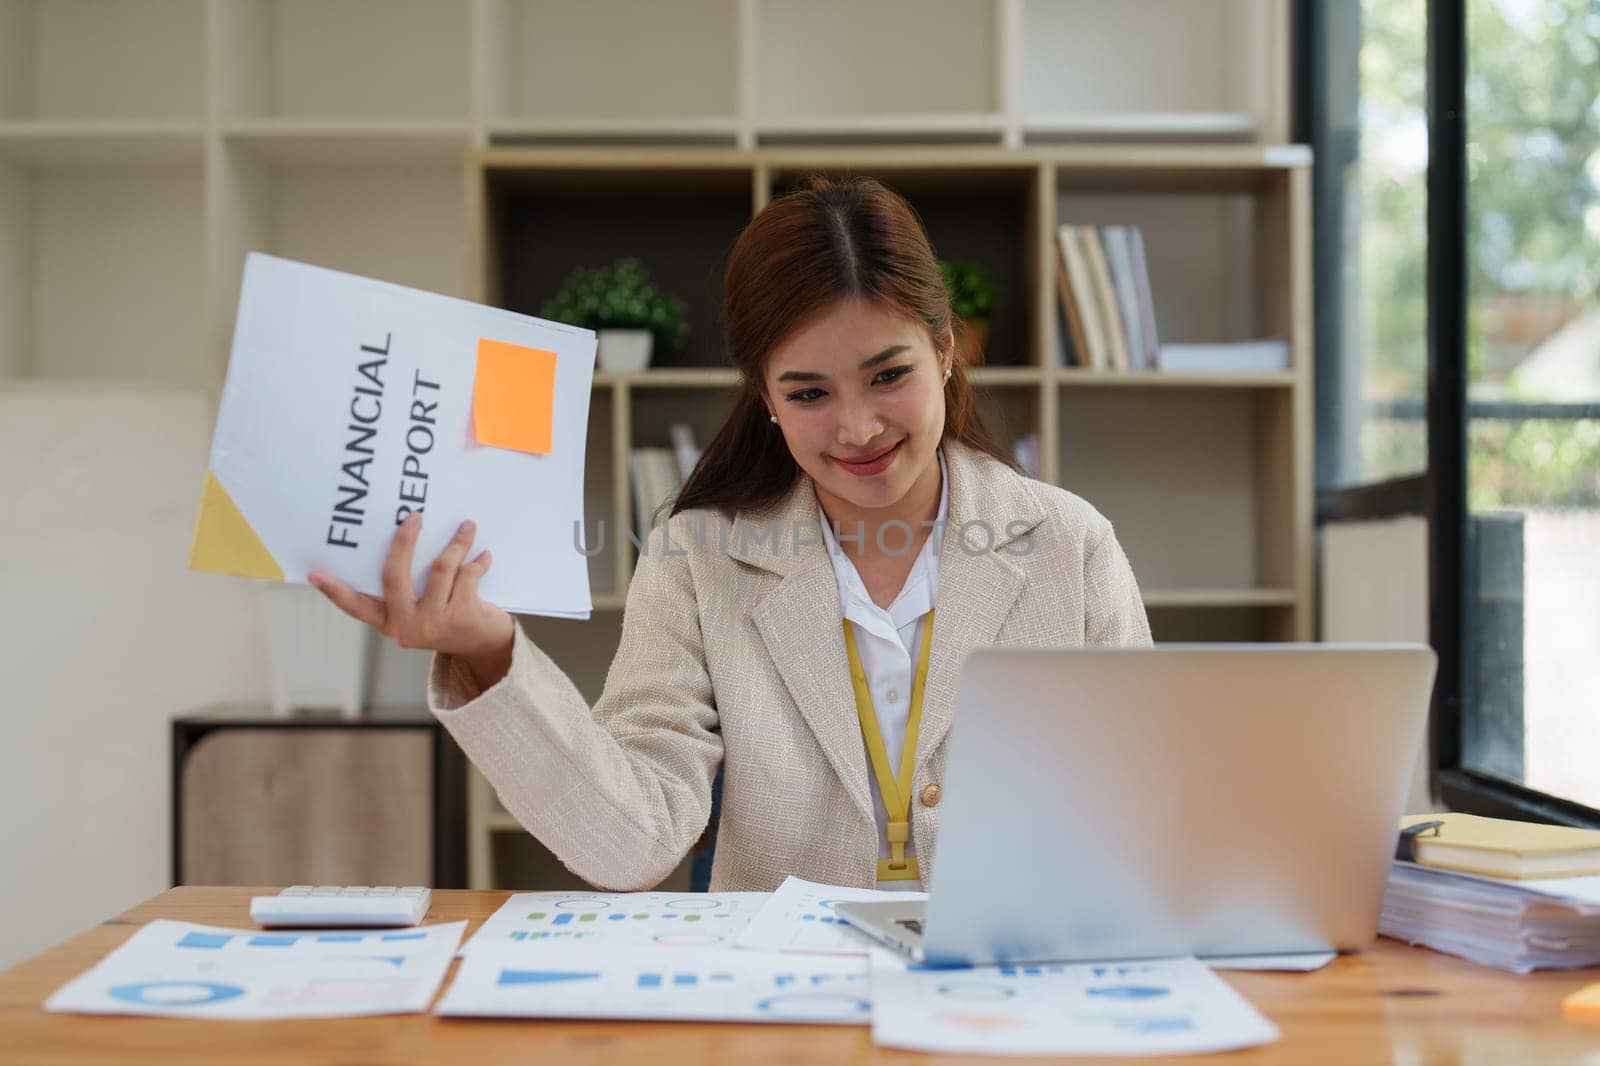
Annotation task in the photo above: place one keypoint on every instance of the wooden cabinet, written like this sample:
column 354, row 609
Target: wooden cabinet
column 315, row 799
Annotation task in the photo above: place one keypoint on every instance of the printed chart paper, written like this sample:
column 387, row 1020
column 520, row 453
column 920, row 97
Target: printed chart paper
column 646, row 919
column 1149, row 1007
column 800, row 917
column 1146, row 1007
column 183, row 970
column 350, row 402
column 567, row 980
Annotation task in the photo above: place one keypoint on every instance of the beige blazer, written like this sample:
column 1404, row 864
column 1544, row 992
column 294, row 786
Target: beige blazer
column 732, row 651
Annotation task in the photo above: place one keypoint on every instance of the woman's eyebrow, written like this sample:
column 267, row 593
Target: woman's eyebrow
column 866, row 364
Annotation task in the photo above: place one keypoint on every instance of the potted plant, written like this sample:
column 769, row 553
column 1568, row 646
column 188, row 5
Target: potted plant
column 625, row 309
column 973, row 297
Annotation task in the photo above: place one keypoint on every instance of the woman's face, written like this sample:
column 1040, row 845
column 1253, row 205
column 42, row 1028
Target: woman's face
column 859, row 381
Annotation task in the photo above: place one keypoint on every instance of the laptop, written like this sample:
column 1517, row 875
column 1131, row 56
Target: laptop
column 1210, row 799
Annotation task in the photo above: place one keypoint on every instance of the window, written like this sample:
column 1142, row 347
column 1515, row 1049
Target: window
column 1531, row 698
column 1371, row 139
column 1492, row 146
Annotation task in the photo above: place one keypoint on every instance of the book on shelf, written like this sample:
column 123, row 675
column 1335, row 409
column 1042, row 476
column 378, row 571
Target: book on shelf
column 1025, row 450
column 1106, row 305
column 1078, row 298
column 1241, row 357
column 655, row 478
column 1105, row 297
column 1145, row 301
column 684, row 449
column 1118, row 241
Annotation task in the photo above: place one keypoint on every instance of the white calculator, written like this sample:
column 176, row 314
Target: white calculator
column 342, row 905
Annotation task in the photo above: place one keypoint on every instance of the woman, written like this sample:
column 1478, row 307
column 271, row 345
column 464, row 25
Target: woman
column 781, row 624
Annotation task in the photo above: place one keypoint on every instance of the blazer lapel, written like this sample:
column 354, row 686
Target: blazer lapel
column 799, row 623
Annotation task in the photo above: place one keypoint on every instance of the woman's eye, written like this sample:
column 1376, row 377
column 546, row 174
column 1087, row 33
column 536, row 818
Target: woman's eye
column 888, row 377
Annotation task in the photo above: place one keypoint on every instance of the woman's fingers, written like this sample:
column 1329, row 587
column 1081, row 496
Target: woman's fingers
column 466, row 589
column 442, row 576
column 361, row 607
column 398, row 592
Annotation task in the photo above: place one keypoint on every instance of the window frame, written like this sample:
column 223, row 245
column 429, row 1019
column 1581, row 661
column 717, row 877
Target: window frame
column 1440, row 493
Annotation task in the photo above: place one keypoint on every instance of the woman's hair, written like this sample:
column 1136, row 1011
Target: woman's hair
column 826, row 241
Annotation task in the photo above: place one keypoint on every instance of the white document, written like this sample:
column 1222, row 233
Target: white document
column 800, row 917
column 555, row 980
column 1148, row 1007
column 658, row 919
column 185, row 970
column 350, row 402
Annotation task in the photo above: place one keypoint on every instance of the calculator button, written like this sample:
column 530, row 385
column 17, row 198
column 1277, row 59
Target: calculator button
column 412, row 890
column 296, row 890
column 384, row 890
column 353, row 890
column 326, row 890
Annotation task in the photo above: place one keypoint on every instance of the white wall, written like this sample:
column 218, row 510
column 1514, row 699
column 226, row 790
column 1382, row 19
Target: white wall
column 105, row 635
column 1374, row 586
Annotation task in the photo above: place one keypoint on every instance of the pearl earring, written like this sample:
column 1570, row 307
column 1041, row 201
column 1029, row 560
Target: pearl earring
column 772, row 418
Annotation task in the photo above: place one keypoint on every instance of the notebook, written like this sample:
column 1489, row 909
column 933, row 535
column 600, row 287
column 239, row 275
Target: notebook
column 1495, row 847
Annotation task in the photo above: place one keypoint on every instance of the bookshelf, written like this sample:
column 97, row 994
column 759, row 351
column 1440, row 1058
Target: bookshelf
column 482, row 148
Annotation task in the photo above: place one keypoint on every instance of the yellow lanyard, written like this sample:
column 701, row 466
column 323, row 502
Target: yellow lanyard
column 896, row 792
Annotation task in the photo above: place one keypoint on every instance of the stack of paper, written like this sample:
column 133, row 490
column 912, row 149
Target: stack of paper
column 1520, row 926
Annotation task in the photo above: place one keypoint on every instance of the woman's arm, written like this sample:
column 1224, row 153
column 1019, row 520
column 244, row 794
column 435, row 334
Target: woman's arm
column 621, row 792
column 1113, row 609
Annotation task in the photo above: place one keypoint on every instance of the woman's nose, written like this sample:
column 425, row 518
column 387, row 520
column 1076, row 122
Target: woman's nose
column 859, row 424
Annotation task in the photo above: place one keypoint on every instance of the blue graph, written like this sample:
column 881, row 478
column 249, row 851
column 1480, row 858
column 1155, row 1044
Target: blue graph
column 203, row 940
column 1128, row 992
column 814, row 1005
column 545, row 977
column 176, row 993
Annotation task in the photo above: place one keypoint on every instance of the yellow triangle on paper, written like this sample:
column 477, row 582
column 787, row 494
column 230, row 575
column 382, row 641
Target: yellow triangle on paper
column 223, row 540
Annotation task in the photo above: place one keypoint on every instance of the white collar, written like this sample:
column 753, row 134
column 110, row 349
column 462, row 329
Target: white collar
column 916, row 596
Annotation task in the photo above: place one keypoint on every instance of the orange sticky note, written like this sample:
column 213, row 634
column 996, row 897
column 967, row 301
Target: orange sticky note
column 1583, row 1005
column 513, row 397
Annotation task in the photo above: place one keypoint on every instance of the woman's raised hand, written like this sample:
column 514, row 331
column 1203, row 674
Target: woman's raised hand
column 448, row 617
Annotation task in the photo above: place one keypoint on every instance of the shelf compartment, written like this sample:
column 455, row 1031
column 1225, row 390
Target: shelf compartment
column 680, row 221
column 1190, row 481
column 1222, row 624
column 1082, row 377
column 836, row 58
column 1212, row 244
column 76, row 59
column 383, row 59
column 1179, row 126
column 101, row 273
column 713, row 130
column 599, row 499
column 86, row 144
column 346, row 143
column 388, row 221
column 560, row 60
column 987, row 213
column 975, row 128
column 1216, row 71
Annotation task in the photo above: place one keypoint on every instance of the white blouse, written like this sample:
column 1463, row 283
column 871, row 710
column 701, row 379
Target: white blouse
column 889, row 641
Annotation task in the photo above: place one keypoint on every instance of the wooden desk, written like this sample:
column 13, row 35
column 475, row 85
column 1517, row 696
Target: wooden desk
column 1390, row 1004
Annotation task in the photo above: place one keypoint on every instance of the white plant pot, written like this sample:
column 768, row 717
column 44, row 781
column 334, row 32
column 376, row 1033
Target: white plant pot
column 320, row 655
column 624, row 351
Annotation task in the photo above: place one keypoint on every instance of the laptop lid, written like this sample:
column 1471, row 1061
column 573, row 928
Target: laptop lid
column 1185, row 799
